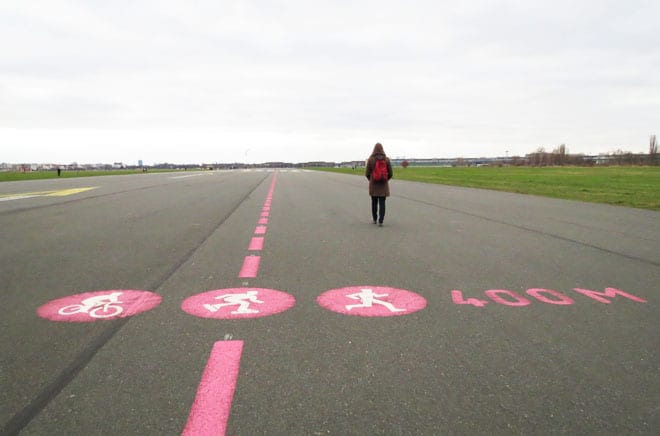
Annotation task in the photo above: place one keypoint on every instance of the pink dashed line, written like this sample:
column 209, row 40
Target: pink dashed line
column 256, row 244
column 250, row 267
column 210, row 411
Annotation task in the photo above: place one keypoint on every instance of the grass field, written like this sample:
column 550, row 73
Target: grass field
column 623, row 186
column 10, row 176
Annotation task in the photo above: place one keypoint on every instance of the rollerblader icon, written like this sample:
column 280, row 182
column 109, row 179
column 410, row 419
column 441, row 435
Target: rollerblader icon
column 241, row 300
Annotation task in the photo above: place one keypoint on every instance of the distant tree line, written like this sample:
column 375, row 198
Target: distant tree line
column 560, row 156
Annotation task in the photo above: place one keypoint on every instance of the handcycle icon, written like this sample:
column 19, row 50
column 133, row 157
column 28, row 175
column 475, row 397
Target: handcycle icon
column 100, row 306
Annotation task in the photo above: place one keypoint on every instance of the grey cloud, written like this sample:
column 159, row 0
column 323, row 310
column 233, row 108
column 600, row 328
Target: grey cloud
column 437, row 72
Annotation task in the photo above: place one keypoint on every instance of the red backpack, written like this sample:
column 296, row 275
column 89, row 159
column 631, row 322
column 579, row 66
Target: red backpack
column 379, row 174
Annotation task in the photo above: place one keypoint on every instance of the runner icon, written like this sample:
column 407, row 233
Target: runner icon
column 371, row 301
column 241, row 300
column 369, row 298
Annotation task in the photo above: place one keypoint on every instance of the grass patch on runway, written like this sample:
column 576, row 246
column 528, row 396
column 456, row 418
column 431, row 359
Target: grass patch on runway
column 12, row 176
column 622, row 186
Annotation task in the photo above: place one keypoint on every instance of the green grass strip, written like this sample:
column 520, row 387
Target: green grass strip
column 12, row 176
column 637, row 187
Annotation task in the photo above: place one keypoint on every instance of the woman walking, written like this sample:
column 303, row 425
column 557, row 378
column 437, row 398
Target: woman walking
column 379, row 172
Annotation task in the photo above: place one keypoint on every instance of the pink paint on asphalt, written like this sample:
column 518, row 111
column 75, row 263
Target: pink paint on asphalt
column 237, row 303
column 260, row 230
column 603, row 297
column 371, row 301
column 99, row 305
column 263, row 221
column 272, row 187
column 210, row 411
column 496, row 296
column 265, row 214
column 250, row 267
column 558, row 298
column 256, row 244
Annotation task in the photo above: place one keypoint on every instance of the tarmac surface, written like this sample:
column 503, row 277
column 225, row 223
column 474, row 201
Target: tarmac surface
column 267, row 302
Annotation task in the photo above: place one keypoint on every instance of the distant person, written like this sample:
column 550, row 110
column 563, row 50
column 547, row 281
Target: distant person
column 378, row 171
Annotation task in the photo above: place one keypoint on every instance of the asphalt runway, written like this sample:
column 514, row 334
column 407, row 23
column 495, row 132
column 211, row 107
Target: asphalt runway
column 263, row 302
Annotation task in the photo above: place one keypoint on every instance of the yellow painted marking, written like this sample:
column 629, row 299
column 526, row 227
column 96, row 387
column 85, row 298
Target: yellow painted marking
column 58, row 193
column 66, row 192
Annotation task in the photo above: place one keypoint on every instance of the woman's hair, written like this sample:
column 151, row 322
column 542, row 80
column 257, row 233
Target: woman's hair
column 378, row 149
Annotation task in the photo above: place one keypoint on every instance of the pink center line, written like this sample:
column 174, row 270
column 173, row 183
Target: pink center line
column 256, row 244
column 272, row 186
column 210, row 411
column 250, row 267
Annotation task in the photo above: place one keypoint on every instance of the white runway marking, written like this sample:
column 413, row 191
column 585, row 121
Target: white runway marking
column 191, row 175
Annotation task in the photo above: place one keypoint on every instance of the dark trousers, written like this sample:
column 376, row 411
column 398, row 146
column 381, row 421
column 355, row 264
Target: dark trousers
column 378, row 208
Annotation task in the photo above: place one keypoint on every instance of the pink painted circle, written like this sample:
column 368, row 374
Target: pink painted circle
column 99, row 306
column 371, row 301
column 237, row 303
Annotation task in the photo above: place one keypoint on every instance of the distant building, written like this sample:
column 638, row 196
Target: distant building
column 318, row 164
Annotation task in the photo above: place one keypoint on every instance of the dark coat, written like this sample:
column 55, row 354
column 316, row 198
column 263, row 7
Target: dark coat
column 378, row 189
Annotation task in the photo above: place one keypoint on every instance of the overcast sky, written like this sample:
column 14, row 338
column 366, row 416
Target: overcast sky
column 223, row 81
